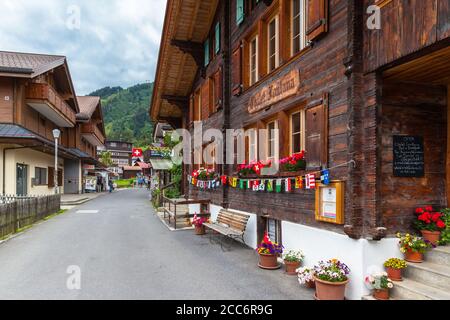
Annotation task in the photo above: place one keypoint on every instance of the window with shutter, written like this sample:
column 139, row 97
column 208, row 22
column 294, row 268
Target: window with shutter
column 237, row 71
column 218, row 89
column 191, row 109
column 51, row 179
column 205, row 100
column 206, row 47
column 240, row 13
column 317, row 20
column 316, row 119
column 217, row 38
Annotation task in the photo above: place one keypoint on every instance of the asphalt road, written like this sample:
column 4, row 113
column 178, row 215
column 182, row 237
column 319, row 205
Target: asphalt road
column 123, row 251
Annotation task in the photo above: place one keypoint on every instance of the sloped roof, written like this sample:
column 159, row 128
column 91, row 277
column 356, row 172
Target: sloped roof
column 87, row 106
column 28, row 64
column 15, row 131
column 129, row 168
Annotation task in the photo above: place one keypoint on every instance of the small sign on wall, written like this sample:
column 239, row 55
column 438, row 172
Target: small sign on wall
column 409, row 156
column 330, row 202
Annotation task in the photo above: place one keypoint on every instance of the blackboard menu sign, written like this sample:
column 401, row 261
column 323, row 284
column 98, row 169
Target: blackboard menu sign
column 409, row 156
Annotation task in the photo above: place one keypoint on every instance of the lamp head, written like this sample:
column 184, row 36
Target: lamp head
column 56, row 133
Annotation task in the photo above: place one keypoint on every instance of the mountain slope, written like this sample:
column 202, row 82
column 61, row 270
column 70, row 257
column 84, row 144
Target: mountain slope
column 125, row 113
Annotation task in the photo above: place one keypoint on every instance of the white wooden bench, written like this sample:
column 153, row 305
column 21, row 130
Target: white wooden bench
column 230, row 224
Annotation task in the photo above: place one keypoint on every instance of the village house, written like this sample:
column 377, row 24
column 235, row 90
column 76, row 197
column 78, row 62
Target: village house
column 120, row 154
column 368, row 105
column 37, row 96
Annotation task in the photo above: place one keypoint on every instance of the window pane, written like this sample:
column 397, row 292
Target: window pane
column 296, row 123
column 296, row 143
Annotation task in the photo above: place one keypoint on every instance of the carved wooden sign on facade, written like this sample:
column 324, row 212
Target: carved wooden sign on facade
column 270, row 94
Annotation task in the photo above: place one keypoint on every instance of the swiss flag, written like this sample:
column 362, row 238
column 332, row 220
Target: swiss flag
column 137, row 153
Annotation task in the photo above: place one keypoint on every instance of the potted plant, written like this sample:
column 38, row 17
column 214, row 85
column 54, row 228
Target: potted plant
column 381, row 285
column 394, row 268
column 268, row 253
column 292, row 261
column 253, row 168
column 445, row 234
column 294, row 163
column 331, row 278
column 413, row 247
column 306, row 277
column 198, row 222
column 429, row 223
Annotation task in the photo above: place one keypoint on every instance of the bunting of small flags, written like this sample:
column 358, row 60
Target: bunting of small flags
column 310, row 181
column 299, row 183
column 325, row 178
column 286, row 185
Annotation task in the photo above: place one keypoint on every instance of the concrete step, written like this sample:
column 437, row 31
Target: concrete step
column 439, row 255
column 413, row 290
column 430, row 274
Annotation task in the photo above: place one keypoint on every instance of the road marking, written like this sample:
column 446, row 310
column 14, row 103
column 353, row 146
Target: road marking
column 87, row 211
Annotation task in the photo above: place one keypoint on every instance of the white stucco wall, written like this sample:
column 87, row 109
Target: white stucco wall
column 32, row 159
column 362, row 256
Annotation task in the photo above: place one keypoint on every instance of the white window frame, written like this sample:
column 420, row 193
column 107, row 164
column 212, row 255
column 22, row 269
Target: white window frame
column 302, row 130
column 302, row 36
column 271, row 139
column 276, row 18
column 252, row 144
column 253, row 42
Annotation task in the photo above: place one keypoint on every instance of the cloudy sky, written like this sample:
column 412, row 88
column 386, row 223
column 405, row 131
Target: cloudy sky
column 107, row 42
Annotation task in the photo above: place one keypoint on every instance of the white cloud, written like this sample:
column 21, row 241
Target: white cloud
column 117, row 43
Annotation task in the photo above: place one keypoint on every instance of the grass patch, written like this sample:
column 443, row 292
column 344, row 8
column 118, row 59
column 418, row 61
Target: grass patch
column 60, row 212
column 124, row 183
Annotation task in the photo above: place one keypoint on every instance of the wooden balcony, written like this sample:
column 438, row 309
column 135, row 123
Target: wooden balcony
column 93, row 134
column 45, row 100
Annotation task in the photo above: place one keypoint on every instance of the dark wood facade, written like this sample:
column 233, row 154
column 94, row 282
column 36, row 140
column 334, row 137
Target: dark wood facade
column 358, row 88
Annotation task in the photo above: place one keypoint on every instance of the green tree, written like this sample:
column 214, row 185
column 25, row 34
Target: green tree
column 106, row 158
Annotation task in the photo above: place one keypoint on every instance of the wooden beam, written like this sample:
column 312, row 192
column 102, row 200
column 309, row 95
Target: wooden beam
column 194, row 49
column 448, row 147
column 176, row 123
column 179, row 101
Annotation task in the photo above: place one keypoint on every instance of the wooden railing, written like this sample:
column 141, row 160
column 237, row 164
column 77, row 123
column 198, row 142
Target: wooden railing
column 42, row 91
column 17, row 212
column 92, row 129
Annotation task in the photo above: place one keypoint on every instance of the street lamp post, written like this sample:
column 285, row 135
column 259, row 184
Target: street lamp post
column 56, row 135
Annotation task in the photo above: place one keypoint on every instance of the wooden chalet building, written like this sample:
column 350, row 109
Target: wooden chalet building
column 36, row 96
column 369, row 104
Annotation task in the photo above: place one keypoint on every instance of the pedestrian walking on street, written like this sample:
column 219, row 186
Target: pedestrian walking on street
column 111, row 186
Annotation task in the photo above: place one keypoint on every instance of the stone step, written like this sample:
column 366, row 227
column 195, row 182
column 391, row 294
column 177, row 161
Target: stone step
column 430, row 274
column 439, row 255
column 413, row 290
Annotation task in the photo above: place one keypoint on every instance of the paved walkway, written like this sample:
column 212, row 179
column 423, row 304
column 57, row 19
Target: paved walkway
column 125, row 252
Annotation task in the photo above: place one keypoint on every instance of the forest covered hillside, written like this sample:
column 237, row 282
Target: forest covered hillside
column 125, row 112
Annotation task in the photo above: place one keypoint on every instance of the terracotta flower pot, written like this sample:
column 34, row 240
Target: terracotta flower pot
column 200, row 230
column 432, row 236
column 414, row 257
column 394, row 274
column 311, row 284
column 381, row 294
column 291, row 267
column 330, row 290
column 268, row 261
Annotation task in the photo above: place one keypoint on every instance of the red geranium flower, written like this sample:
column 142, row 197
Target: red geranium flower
column 429, row 208
column 436, row 216
column 440, row 224
column 419, row 211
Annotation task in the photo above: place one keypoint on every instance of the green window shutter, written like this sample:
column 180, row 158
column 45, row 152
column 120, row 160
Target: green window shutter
column 239, row 11
column 206, row 46
column 218, row 38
